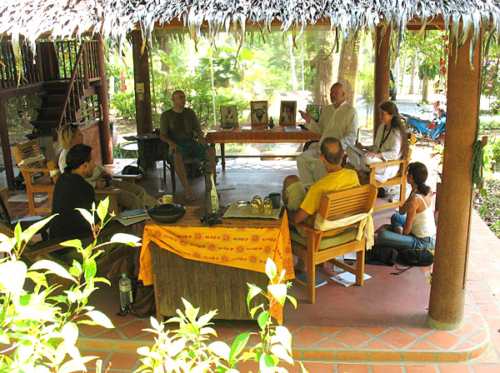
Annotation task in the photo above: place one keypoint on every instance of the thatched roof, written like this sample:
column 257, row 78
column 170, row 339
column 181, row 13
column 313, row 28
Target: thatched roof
column 116, row 18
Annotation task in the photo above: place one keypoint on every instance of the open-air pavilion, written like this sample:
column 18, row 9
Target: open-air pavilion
column 25, row 24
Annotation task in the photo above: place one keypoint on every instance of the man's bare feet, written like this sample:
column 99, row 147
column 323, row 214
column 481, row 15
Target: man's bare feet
column 189, row 197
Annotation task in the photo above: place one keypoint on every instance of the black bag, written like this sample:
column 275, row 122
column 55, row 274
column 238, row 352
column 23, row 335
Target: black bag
column 133, row 170
column 415, row 258
column 381, row 255
column 144, row 301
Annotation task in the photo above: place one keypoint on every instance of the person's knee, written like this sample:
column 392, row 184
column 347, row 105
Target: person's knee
column 210, row 152
column 289, row 180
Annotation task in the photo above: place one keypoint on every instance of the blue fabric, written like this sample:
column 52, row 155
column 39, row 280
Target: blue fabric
column 189, row 150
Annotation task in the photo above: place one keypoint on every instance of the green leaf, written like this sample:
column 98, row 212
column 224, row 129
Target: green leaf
column 255, row 309
column 253, row 291
column 220, row 349
column 265, row 362
column 3, row 237
column 24, row 352
column 128, row 239
column 12, row 276
column 34, row 228
column 278, row 291
column 282, row 353
column 100, row 318
column 6, row 246
column 70, row 333
column 238, row 345
column 72, row 243
column 144, row 351
column 263, row 319
column 271, row 269
column 284, row 337
column 86, row 215
column 102, row 209
column 38, row 278
column 90, row 268
column 53, row 267
column 76, row 365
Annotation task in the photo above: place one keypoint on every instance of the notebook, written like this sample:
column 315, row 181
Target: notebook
column 318, row 280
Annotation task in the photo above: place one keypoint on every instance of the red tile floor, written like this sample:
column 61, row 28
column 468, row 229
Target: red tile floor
column 379, row 327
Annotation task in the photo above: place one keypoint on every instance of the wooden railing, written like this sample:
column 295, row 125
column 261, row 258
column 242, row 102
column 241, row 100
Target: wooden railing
column 84, row 68
column 14, row 74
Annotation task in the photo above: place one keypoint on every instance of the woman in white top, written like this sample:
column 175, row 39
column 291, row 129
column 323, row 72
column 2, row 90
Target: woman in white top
column 390, row 144
column 131, row 196
column 417, row 229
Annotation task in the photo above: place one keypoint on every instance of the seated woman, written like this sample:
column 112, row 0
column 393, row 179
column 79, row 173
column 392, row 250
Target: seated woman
column 390, row 144
column 131, row 196
column 417, row 229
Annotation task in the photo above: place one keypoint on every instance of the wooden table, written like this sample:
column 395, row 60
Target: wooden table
column 258, row 134
column 211, row 266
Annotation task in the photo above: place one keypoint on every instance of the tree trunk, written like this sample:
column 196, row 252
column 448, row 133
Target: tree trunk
column 292, row 64
column 348, row 66
column 425, row 89
column 324, row 61
column 412, row 74
column 164, row 45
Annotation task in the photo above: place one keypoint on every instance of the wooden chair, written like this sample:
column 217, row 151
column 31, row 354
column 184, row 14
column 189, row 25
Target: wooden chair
column 399, row 179
column 39, row 174
column 192, row 166
column 324, row 245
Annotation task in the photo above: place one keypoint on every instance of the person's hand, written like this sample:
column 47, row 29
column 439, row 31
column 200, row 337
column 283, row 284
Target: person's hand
column 305, row 115
column 202, row 140
column 374, row 155
column 359, row 145
column 172, row 146
column 100, row 184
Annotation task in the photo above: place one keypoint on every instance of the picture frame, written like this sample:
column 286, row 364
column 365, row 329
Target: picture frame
column 315, row 111
column 229, row 116
column 288, row 113
column 259, row 114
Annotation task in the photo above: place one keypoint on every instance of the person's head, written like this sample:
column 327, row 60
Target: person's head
column 337, row 94
column 179, row 99
column 259, row 110
column 80, row 160
column 331, row 150
column 70, row 135
column 417, row 174
column 389, row 114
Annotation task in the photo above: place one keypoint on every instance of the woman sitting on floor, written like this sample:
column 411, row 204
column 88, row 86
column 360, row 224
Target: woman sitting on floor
column 131, row 196
column 417, row 229
column 390, row 144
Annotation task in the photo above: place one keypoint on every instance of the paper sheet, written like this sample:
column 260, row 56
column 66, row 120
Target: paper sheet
column 347, row 278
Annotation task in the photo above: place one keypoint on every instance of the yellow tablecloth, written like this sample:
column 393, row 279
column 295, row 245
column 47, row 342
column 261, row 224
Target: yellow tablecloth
column 240, row 243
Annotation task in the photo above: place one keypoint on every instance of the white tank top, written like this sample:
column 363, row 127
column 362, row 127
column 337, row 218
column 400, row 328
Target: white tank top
column 423, row 224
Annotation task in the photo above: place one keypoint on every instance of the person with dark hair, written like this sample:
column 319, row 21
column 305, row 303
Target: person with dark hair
column 301, row 204
column 414, row 226
column 390, row 144
column 178, row 128
column 72, row 192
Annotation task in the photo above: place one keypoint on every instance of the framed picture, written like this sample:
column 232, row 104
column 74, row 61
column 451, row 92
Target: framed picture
column 288, row 113
column 259, row 112
column 315, row 111
column 229, row 116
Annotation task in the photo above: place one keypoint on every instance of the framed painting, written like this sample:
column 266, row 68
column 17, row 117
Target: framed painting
column 288, row 113
column 259, row 113
column 229, row 116
column 315, row 111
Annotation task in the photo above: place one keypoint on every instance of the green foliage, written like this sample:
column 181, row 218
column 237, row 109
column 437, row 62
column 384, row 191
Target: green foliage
column 124, row 103
column 188, row 349
column 492, row 155
column 39, row 330
column 428, row 70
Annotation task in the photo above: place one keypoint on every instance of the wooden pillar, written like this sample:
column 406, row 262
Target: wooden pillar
column 382, row 72
column 7, row 156
column 447, row 298
column 142, row 85
column 102, row 96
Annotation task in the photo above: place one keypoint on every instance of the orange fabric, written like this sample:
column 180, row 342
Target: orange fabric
column 240, row 243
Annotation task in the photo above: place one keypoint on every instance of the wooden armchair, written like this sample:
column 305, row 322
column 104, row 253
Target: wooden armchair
column 324, row 245
column 399, row 179
column 39, row 174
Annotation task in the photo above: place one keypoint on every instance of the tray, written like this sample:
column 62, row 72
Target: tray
column 245, row 212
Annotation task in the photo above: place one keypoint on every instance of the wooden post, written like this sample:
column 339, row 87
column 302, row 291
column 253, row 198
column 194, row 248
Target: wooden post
column 142, row 85
column 102, row 96
column 4, row 136
column 382, row 73
column 446, row 307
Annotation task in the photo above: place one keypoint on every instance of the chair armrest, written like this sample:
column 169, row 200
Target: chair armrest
column 306, row 227
column 388, row 163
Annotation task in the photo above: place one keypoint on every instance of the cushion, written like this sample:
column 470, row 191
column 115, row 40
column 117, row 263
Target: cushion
column 346, row 236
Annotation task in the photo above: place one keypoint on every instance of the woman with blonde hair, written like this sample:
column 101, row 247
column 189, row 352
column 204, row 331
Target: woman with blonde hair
column 391, row 143
column 131, row 196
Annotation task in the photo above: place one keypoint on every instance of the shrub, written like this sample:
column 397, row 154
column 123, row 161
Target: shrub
column 124, row 103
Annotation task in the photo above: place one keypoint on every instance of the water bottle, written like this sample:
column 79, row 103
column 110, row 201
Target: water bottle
column 161, row 184
column 126, row 297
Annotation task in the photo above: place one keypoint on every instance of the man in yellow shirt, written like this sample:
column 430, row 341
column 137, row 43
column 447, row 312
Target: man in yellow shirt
column 301, row 204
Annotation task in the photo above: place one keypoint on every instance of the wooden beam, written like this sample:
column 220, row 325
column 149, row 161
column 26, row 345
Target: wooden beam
column 382, row 73
column 4, row 136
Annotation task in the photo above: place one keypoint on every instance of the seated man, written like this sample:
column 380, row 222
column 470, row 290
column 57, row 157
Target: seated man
column 71, row 192
column 177, row 128
column 301, row 204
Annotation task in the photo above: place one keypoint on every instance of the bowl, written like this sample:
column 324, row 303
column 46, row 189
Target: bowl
column 167, row 213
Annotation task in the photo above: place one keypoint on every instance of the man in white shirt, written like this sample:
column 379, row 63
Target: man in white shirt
column 339, row 120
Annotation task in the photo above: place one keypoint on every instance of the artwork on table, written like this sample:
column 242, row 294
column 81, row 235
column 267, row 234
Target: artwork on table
column 259, row 112
column 288, row 113
column 315, row 111
column 229, row 116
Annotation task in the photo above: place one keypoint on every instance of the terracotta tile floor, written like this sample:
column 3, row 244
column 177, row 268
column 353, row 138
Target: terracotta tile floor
column 379, row 347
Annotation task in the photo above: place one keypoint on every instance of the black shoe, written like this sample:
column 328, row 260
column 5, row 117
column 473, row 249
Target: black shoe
column 381, row 193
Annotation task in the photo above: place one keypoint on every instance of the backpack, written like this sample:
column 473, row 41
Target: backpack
column 133, row 170
column 381, row 256
column 415, row 258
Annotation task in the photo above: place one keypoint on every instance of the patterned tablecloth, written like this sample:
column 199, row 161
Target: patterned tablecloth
column 240, row 243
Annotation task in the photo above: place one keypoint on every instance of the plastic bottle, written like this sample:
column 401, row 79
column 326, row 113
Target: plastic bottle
column 126, row 297
column 214, row 198
column 161, row 184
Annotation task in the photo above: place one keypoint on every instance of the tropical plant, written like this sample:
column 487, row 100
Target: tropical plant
column 124, row 104
column 38, row 329
column 188, row 348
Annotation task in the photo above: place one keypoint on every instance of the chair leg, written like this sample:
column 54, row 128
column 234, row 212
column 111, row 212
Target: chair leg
column 311, row 268
column 31, row 203
column 172, row 176
column 360, row 267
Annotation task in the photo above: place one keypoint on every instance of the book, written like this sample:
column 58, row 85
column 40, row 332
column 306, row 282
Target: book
column 292, row 129
column 317, row 280
column 361, row 152
column 347, row 278
column 246, row 128
column 132, row 214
